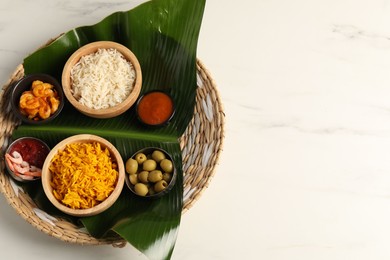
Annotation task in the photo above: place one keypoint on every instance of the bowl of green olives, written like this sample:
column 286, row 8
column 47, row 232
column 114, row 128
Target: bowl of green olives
column 150, row 172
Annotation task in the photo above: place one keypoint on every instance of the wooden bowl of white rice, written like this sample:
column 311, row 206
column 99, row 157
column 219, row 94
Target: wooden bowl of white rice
column 102, row 79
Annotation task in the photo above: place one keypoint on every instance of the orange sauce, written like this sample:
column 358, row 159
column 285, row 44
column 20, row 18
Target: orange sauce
column 155, row 108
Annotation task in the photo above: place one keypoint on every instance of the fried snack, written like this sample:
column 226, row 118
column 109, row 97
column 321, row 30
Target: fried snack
column 40, row 102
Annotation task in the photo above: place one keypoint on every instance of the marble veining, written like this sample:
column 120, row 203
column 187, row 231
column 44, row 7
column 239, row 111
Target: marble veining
column 91, row 8
column 305, row 169
column 354, row 33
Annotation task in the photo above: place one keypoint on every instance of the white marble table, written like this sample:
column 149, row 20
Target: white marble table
column 305, row 172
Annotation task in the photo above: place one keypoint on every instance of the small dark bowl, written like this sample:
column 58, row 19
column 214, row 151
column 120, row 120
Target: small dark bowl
column 156, row 107
column 24, row 84
column 148, row 151
column 33, row 150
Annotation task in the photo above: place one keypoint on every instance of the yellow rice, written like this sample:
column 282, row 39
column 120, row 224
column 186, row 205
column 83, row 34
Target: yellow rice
column 83, row 175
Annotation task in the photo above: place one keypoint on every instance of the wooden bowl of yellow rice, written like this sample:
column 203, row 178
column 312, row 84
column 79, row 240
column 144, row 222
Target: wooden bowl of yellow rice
column 83, row 175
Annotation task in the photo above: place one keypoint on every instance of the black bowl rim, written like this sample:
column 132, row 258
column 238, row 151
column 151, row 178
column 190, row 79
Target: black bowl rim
column 10, row 172
column 171, row 183
column 31, row 77
column 166, row 122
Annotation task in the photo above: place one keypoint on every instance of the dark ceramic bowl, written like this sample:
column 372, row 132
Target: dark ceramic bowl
column 25, row 84
column 24, row 158
column 155, row 108
column 151, row 193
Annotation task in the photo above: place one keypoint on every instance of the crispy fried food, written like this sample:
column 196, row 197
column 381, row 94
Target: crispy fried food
column 40, row 102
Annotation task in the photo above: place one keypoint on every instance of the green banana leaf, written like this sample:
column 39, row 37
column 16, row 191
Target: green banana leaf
column 163, row 35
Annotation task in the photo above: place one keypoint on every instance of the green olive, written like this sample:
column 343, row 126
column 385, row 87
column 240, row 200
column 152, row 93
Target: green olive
column 140, row 158
column 133, row 179
column 149, row 165
column 167, row 177
column 155, row 176
column 166, row 165
column 160, row 186
column 158, row 156
column 143, row 176
column 141, row 189
column 131, row 166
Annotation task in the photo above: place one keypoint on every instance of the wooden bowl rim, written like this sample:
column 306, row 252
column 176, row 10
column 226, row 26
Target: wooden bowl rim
column 91, row 48
column 46, row 175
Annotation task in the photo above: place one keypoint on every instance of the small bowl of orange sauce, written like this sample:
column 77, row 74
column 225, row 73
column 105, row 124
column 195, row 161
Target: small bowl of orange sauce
column 155, row 108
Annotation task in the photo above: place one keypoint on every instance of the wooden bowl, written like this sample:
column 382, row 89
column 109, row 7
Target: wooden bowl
column 110, row 111
column 47, row 175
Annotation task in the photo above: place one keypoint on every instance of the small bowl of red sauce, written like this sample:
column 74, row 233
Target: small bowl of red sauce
column 155, row 108
column 24, row 158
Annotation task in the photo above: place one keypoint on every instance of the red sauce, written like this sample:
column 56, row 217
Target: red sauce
column 32, row 151
column 155, row 108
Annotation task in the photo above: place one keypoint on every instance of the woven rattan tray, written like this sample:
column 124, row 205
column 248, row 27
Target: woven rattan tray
column 201, row 145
